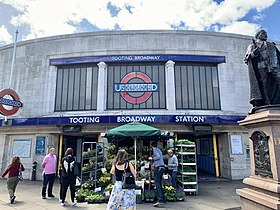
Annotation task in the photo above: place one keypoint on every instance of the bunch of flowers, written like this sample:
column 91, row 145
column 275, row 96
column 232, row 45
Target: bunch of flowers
column 87, row 185
column 109, row 187
column 170, row 193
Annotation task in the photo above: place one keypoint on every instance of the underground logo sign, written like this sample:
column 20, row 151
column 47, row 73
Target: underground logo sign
column 5, row 102
column 136, row 87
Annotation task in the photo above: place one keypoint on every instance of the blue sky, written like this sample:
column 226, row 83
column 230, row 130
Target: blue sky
column 41, row 18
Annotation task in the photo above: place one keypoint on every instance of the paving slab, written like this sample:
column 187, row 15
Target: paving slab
column 212, row 195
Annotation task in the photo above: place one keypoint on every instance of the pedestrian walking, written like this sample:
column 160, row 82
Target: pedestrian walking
column 49, row 166
column 122, row 199
column 158, row 173
column 172, row 167
column 68, row 178
column 13, row 170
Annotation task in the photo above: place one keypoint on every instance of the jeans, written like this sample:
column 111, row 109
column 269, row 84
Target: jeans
column 158, row 172
column 173, row 175
column 48, row 179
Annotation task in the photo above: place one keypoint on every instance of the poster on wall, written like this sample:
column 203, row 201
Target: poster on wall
column 40, row 145
column 22, row 148
column 236, row 145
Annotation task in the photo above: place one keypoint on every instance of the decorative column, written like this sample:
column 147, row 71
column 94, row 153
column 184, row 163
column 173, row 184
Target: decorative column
column 101, row 88
column 263, row 186
column 170, row 86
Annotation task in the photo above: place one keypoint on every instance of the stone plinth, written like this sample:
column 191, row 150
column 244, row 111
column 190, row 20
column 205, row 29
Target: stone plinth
column 263, row 191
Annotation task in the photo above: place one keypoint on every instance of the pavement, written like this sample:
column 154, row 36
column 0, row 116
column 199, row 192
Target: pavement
column 212, row 195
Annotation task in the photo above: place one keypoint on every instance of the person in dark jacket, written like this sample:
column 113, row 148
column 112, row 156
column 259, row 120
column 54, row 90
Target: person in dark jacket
column 67, row 176
column 13, row 169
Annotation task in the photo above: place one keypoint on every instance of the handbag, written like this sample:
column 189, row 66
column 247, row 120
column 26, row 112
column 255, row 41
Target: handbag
column 20, row 177
column 128, row 181
column 76, row 169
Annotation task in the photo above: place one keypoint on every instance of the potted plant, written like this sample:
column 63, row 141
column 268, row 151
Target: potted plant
column 170, row 193
column 81, row 194
column 149, row 196
column 96, row 198
column 87, row 185
column 104, row 180
column 108, row 165
column 109, row 187
column 139, row 198
column 112, row 149
column 180, row 194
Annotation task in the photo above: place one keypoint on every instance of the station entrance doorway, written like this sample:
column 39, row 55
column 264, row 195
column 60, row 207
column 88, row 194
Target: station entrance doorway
column 75, row 142
column 207, row 159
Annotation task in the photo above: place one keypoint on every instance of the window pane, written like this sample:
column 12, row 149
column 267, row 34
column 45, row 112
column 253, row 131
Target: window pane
column 76, row 88
column 196, row 86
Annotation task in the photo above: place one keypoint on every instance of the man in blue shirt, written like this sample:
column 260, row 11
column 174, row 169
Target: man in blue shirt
column 158, row 173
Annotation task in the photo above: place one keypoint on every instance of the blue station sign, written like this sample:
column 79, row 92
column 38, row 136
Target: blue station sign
column 122, row 119
column 138, row 58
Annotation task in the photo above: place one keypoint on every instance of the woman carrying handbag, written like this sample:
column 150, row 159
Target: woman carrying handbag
column 13, row 169
column 122, row 199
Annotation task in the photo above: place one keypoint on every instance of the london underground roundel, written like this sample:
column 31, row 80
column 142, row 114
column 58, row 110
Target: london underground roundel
column 5, row 102
column 130, row 91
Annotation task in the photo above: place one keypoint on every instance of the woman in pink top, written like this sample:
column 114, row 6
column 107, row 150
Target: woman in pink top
column 13, row 170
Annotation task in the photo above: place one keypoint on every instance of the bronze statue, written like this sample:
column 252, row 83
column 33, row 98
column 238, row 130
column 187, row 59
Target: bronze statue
column 263, row 60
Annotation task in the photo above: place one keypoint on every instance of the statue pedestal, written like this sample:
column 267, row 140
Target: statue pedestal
column 263, row 191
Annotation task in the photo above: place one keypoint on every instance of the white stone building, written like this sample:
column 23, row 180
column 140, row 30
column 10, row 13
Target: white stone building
column 193, row 84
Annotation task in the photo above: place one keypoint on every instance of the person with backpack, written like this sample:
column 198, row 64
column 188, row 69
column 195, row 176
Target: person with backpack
column 68, row 178
column 13, row 170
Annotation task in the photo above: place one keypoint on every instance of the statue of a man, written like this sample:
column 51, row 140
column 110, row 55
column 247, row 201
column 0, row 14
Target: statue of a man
column 263, row 60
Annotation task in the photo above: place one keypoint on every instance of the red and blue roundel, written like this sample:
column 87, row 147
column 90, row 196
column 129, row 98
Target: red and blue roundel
column 130, row 90
column 15, row 103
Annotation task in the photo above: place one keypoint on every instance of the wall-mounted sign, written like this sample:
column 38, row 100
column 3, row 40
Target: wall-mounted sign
column 139, row 58
column 5, row 102
column 236, row 145
column 202, row 128
column 40, row 145
column 176, row 119
column 130, row 90
column 22, row 147
column 71, row 129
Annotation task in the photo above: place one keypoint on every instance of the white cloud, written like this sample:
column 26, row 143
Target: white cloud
column 52, row 17
column 5, row 37
column 241, row 28
column 232, row 10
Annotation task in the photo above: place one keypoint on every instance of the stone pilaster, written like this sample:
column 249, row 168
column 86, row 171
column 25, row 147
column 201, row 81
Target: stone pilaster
column 170, row 87
column 101, row 88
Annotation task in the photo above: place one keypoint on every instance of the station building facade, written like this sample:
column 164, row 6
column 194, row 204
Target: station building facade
column 70, row 89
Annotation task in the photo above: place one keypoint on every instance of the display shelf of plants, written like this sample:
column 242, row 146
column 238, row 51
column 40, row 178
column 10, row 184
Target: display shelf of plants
column 187, row 169
column 92, row 162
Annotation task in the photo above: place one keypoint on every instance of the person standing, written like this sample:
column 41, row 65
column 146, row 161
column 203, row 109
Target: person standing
column 122, row 199
column 49, row 166
column 68, row 178
column 172, row 167
column 13, row 170
column 158, row 173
